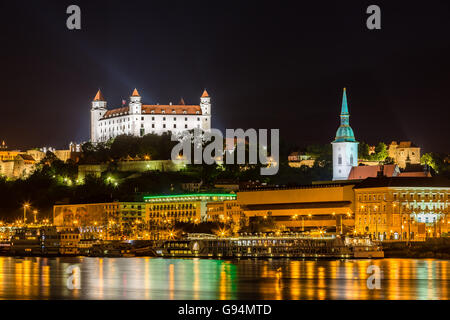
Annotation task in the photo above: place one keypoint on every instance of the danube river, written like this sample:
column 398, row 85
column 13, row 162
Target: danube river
column 157, row 278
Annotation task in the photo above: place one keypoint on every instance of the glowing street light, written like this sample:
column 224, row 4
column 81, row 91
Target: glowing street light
column 35, row 212
column 26, row 205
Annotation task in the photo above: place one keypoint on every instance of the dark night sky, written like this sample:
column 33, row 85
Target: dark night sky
column 270, row 64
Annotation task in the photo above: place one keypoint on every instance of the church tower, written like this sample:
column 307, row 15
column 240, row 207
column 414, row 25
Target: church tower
column 345, row 147
column 98, row 110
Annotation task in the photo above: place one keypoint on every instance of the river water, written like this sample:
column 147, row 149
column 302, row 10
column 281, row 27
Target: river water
column 158, row 278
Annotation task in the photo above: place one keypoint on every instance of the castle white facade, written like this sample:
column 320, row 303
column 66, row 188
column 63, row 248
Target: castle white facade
column 345, row 147
column 138, row 119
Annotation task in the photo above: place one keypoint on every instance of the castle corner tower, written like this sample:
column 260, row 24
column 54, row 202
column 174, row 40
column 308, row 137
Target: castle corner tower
column 98, row 109
column 345, row 146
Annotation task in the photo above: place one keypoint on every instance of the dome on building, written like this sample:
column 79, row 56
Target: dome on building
column 344, row 134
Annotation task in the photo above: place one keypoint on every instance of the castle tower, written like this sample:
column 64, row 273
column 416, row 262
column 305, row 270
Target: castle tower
column 205, row 103
column 135, row 103
column 345, row 147
column 98, row 110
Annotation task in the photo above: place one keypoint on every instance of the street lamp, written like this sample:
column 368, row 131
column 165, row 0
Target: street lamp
column 25, row 207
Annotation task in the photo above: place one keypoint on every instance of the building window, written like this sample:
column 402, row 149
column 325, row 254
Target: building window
column 174, row 119
column 164, row 125
column 142, row 118
column 339, row 159
column 351, row 159
column 174, row 126
column 153, row 125
column 185, row 126
column 153, row 118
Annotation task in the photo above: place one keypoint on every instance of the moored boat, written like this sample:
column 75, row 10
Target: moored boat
column 270, row 247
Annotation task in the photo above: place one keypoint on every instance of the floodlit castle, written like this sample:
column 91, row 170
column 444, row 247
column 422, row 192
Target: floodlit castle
column 139, row 119
column 345, row 146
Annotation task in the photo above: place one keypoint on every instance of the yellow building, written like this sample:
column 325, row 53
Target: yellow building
column 326, row 206
column 296, row 160
column 404, row 152
column 402, row 208
column 8, row 155
column 182, row 208
column 109, row 214
column 228, row 211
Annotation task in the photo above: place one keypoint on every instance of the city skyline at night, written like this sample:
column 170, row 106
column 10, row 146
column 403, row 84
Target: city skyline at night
column 211, row 157
column 275, row 75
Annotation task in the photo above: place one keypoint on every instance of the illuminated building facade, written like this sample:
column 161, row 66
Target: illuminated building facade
column 227, row 211
column 403, row 153
column 182, row 208
column 402, row 208
column 138, row 119
column 328, row 206
column 116, row 214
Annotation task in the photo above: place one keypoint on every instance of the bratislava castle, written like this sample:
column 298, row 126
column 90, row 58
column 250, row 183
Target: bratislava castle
column 139, row 119
column 345, row 146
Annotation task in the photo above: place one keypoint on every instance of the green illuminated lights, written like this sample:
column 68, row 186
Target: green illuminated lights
column 194, row 196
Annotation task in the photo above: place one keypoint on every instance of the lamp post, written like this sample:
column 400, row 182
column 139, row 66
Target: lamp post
column 35, row 212
column 25, row 206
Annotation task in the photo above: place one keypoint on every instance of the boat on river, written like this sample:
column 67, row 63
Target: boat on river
column 271, row 247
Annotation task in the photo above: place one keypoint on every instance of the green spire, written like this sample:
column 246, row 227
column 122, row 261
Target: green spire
column 345, row 132
column 344, row 109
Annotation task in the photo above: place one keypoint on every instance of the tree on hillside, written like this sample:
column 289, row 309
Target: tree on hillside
column 381, row 152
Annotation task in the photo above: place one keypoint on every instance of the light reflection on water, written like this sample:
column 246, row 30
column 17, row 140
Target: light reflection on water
column 157, row 278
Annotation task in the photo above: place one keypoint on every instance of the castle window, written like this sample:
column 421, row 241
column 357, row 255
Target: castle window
column 153, row 118
column 185, row 119
column 198, row 119
column 164, row 118
column 153, row 111
column 174, row 125
column 153, row 125
column 164, row 125
column 163, row 111
column 142, row 118
column 339, row 159
column 351, row 159
column 174, row 119
column 185, row 126
column 184, row 111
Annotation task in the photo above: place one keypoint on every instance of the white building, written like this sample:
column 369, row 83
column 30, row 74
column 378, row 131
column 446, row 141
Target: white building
column 345, row 147
column 138, row 119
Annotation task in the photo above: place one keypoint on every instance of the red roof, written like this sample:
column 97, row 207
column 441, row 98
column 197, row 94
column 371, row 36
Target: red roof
column 99, row 96
column 116, row 112
column 363, row 172
column 415, row 174
column 171, row 109
column 158, row 109
column 135, row 93
column 205, row 94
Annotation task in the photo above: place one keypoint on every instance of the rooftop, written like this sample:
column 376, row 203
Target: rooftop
column 437, row 182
